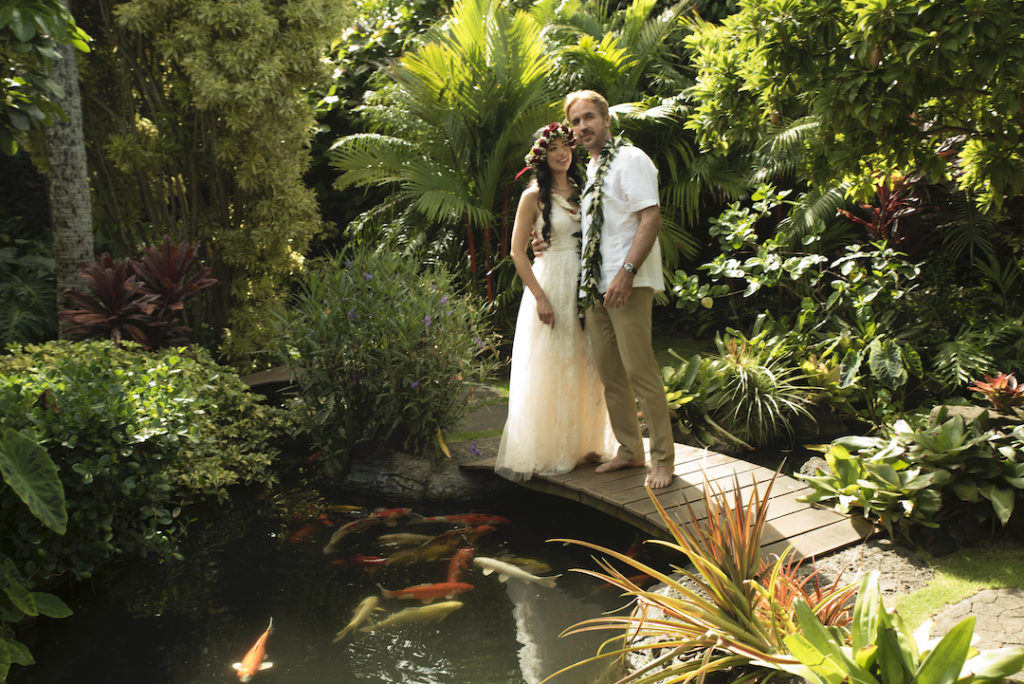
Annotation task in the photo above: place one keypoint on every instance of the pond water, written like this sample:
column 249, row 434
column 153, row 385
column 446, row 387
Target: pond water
column 186, row 624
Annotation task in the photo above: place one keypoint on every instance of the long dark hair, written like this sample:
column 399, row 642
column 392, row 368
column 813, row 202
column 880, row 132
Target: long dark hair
column 542, row 176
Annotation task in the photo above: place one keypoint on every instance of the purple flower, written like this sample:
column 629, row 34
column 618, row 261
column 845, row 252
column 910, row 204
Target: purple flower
column 355, row 377
column 351, row 314
column 348, row 263
column 479, row 343
column 415, row 384
column 427, row 320
column 444, row 300
column 368, row 276
column 476, row 452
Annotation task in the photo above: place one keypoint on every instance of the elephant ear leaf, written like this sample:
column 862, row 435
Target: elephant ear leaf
column 886, row 363
column 31, row 473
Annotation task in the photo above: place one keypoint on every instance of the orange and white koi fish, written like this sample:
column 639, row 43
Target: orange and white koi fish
column 459, row 563
column 362, row 613
column 465, row 519
column 254, row 661
column 388, row 517
column 427, row 592
column 507, row 570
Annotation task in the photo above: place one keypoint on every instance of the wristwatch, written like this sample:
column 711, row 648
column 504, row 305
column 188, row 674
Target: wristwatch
column 629, row 268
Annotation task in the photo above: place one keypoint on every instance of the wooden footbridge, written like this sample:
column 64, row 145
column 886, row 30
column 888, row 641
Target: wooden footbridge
column 813, row 530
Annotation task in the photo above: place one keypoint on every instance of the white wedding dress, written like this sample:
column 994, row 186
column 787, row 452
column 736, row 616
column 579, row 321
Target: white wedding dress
column 556, row 407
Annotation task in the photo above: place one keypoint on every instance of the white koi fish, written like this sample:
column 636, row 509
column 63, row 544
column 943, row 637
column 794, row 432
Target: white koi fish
column 507, row 570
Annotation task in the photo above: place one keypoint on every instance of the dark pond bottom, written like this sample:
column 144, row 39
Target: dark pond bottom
column 187, row 624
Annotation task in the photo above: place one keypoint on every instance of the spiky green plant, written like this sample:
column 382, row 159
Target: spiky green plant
column 762, row 393
column 732, row 612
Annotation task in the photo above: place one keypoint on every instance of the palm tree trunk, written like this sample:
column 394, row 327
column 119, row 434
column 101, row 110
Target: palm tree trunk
column 70, row 202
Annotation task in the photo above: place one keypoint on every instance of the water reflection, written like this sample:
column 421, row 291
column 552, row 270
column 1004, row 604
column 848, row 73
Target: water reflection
column 541, row 614
column 187, row 624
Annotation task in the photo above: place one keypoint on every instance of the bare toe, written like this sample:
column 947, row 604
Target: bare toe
column 616, row 464
column 659, row 477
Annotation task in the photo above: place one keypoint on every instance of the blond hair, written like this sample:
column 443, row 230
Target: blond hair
column 588, row 95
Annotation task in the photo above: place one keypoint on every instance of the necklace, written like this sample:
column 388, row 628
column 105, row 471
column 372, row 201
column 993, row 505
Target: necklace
column 590, row 276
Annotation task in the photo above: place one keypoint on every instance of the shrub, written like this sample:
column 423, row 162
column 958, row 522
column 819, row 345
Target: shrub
column 749, row 394
column 382, row 353
column 28, row 311
column 136, row 437
column 912, row 476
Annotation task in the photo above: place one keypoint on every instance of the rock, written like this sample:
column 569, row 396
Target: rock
column 815, row 465
column 403, row 477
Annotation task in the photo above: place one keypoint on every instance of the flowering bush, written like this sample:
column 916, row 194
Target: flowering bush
column 382, row 353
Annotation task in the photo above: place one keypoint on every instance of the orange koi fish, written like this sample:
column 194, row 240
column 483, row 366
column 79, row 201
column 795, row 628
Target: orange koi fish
column 253, row 661
column 427, row 592
column 388, row 517
column 459, row 563
column 307, row 533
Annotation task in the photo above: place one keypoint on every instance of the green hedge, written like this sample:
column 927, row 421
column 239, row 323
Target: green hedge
column 137, row 437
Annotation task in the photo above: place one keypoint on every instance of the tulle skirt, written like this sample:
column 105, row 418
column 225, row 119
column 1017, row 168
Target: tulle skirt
column 556, row 409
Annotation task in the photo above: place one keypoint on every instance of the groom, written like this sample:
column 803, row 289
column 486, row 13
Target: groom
column 621, row 270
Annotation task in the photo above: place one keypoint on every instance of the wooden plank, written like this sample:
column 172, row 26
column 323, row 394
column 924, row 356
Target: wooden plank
column 622, row 495
column 815, row 542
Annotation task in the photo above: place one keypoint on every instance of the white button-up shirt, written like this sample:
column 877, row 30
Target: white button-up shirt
column 630, row 186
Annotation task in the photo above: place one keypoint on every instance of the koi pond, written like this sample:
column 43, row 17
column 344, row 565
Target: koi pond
column 188, row 622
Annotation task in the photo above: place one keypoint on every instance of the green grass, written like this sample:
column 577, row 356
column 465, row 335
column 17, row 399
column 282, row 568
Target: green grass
column 961, row 575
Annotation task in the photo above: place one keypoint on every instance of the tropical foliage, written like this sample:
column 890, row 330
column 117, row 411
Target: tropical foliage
column 879, row 648
column 914, row 86
column 199, row 128
column 733, row 612
column 751, row 393
column 30, row 32
column 921, row 476
column 381, row 354
column 450, row 124
column 138, row 299
column 30, row 473
column 138, row 439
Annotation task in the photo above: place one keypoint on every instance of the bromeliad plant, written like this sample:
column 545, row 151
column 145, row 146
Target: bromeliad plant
column 912, row 476
column 142, row 300
column 733, row 612
column 880, row 649
column 1002, row 391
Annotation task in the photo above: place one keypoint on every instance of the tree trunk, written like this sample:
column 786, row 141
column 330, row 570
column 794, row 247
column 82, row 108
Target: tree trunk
column 70, row 202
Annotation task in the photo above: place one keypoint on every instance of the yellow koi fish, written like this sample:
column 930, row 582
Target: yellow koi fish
column 428, row 613
column 362, row 613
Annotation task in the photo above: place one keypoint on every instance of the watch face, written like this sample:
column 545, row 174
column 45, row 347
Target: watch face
column 628, row 267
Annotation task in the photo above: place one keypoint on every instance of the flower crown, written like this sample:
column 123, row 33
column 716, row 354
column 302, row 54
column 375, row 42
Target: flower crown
column 539, row 151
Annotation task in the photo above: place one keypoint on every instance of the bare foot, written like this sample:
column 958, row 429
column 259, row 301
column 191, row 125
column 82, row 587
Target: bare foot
column 616, row 464
column 659, row 477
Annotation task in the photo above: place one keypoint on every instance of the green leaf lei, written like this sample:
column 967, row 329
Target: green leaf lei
column 591, row 277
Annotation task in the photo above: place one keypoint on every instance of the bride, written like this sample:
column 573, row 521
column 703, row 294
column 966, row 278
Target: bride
column 556, row 409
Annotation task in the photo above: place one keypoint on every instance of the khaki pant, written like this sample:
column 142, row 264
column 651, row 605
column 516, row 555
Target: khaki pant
column 621, row 339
